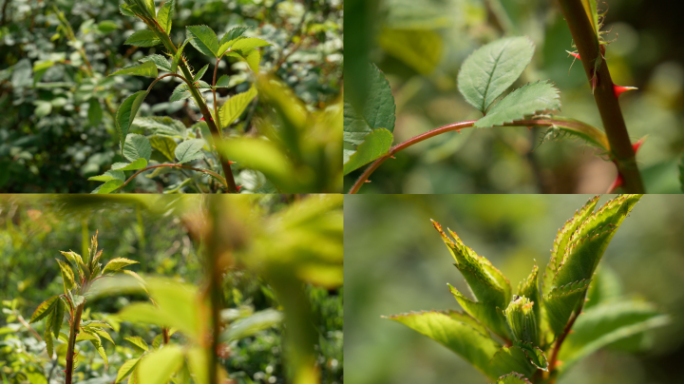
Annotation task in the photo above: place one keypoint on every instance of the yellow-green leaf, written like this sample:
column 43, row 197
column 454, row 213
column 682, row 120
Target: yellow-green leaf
column 116, row 264
column 138, row 342
column 126, row 369
column 159, row 366
column 147, row 69
column 233, row 107
column 43, row 309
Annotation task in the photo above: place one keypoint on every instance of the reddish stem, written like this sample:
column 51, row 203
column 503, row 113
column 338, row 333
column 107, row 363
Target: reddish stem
column 216, row 175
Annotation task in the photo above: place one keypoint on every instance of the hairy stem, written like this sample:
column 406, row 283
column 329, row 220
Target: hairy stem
column 208, row 172
column 432, row 133
column 596, row 69
column 71, row 348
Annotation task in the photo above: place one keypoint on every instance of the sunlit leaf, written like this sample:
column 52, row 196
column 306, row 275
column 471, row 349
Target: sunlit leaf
column 265, row 157
column 138, row 343
column 159, row 366
column 205, row 40
column 126, row 369
column 133, row 166
column 137, row 147
column 376, row 144
column 525, row 101
column 165, row 145
column 233, row 108
column 147, row 69
column 160, row 61
column 126, row 113
column 117, row 263
column 144, row 38
column 67, row 275
column 165, row 16
column 419, row 49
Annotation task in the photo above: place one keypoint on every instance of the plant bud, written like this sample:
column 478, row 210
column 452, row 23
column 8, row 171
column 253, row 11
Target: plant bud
column 522, row 320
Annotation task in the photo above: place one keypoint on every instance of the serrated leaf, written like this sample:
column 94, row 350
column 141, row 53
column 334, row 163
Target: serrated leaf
column 189, row 150
column 165, row 145
column 565, row 126
column 378, row 112
column 147, row 69
column 67, row 275
column 200, row 73
column 138, row 343
column 223, row 82
column 158, row 125
column 530, row 289
column 587, row 245
column 513, row 378
column 491, row 69
column 160, row 61
column 488, row 284
column 561, row 302
column 235, row 106
column 178, row 56
column 49, row 343
column 94, row 112
column 523, row 321
column 181, row 92
column 563, row 237
column 116, row 264
column 126, row 369
column 144, row 38
column 109, row 175
column 524, row 101
column 607, row 323
column 376, row 144
column 126, row 113
column 485, row 314
column 451, row 330
column 233, row 34
column 420, row 49
column 137, row 147
column 97, row 343
column 165, row 15
column 508, row 360
column 205, row 40
column 59, row 310
column 44, row 309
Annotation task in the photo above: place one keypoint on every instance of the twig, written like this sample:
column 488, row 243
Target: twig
column 216, row 175
column 559, row 342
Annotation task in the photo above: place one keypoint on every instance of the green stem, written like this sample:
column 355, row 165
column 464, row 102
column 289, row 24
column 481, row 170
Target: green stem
column 591, row 51
column 73, row 332
column 208, row 172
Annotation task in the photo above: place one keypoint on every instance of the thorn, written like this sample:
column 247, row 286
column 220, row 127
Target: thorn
column 231, row 162
column 619, row 90
column 238, row 188
column 594, row 83
column 575, row 55
column 367, row 181
column 616, row 184
column 637, row 145
column 392, row 157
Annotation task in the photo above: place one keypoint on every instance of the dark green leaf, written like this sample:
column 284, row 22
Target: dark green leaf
column 165, row 15
column 44, row 309
column 200, row 73
column 419, row 49
column 157, row 367
column 144, row 38
column 137, row 147
column 487, row 314
column 160, row 61
column 94, row 112
column 491, row 69
column 109, row 175
column 147, row 69
column 138, row 343
column 223, row 82
column 205, row 40
column 165, row 145
column 126, row 113
column 375, row 144
column 524, row 101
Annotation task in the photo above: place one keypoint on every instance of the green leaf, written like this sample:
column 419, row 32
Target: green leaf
column 488, row 284
column 179, row 302
column 134, row 166
column 108, row 187
column 126, row 369
column 138, row 343
column 144, row 38
column 604, row 324
column 489, row 315
column 165, row 145
column 378, row 112
column 60, row 308
column 233, row 34
column 524, row 101
column 266, row 157
column 247, row 44
column 126, row 113
column 419, row 49
column 454, row 331
column 160, row 61
column 530, row 289
column 563, row 237
column 116, row 264
column 561, row 302
column 181, row 92
column 165, row 15
column 565, row 126
column 158, row 125
column 253, row 58
column 137, row 147
column 49, row 343
column 97, row 343
column 125, row 10
column 511, row 359
column 590, row 240
column 107, row 26
column 147, row 69
column 523, row 321
column 681, row 172
column 103, row 334
column 592, row 14
column 223, row 82
column 235, row 106
column 144, row 313
column 205, row 40
column 513, row 378
column 491, row 69
column 44, row 309
column 94, row 112
column 250, row 325
column 189, row 150
column 376, row 144
column 67, row 275
column 198, row 361
column 179, row 54
column 109, row 175
column 200, row 73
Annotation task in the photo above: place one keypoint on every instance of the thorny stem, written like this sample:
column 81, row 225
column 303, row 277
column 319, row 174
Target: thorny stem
column 432, row 133
column 73, row 332
column 225, row 164
column 592, row 51
column 216, row 175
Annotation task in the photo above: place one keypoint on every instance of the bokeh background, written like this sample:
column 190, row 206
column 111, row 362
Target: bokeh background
column 420, row 46
column 396, row 262
column 157, row 232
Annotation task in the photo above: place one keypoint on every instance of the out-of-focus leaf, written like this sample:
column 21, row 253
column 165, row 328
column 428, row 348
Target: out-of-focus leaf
column 565, row 126
column 126, row 369
column 189, row 150
column 126, row 113
column 165, row 16
column 137, row 147
column 157, row 367
column 117, row 263
column 233, row 107
column 179, row 54
column 135, row 165
column 419, row 49
column 265, row 157
column 94, row 112
column 252, row 324
column 205, row 40
column 375, row 144
column 491, row 69
column 165, row 145
column 524, row 101
column 144, row 38
column 67, row 275
column 147, row 69
column 138, row 343
column 160, row 61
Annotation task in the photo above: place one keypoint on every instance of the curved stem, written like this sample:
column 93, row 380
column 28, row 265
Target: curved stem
column 432, row 133
column 208, row 172
column 596, row 69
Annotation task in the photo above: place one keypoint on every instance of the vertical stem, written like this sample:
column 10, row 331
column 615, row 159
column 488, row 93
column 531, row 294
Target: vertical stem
column 73, row 332
column 559, row 342
column 591, row 51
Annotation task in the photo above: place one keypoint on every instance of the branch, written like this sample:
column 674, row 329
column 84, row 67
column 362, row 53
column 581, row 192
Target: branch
column 432, row 133
column 208, row 172
column 591, row 52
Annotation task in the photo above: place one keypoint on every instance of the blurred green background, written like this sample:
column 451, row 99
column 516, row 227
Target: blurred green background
column 420, row 46
column 396, row 262
column 153, row 231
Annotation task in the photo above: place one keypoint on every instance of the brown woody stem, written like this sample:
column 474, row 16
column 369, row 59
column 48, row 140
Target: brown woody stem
column 71, row 348
column 591, row 51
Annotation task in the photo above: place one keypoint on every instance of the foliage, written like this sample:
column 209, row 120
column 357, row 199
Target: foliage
column 72, row 80
column 544, row 319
